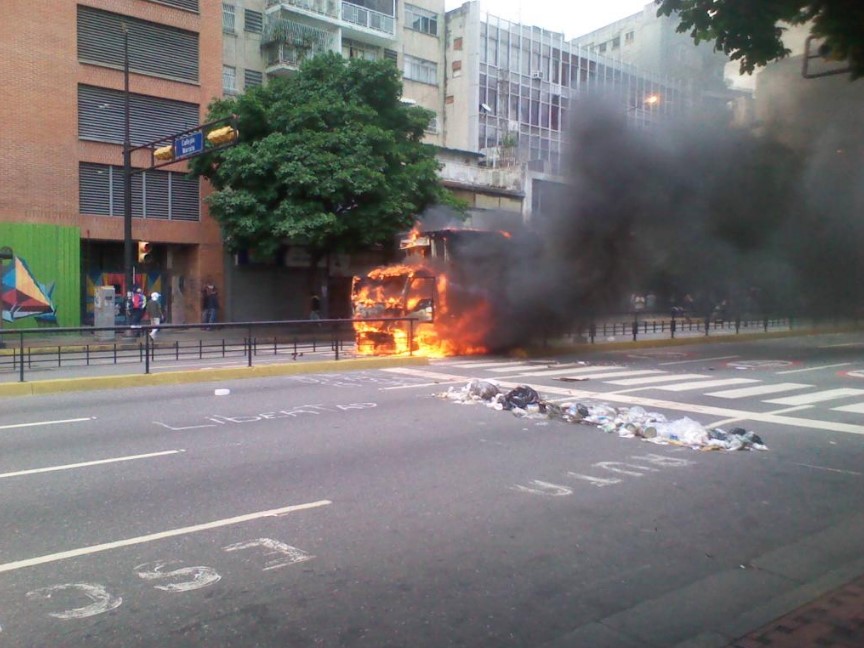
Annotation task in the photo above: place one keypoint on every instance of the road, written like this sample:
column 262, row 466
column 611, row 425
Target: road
column 358, row 509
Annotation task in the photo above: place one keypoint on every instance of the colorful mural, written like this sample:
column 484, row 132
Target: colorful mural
column 149, row 282
column 40, row 285
column 22, row 295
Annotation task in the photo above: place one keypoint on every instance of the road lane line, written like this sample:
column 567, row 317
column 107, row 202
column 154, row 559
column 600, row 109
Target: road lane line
column 37, row 423
column 84, row 464
column 858, row 408
column 84, row 551
column 677, row 362
column 837, row 470
column 831, row 366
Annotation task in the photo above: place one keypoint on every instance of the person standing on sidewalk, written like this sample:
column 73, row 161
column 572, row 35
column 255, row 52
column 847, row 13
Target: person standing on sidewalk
column 154, row 312
column 139, row 303
column 209, row 304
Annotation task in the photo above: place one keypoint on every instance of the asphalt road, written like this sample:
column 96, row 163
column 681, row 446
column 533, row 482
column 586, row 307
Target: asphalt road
column 357, row 509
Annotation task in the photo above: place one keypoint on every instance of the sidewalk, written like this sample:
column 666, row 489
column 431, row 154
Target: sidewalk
column 834, row 620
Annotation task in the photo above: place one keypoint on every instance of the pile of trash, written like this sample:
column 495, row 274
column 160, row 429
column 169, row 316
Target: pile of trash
column 627, row 422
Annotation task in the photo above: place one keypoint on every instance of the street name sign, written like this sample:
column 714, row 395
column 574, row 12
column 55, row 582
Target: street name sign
column 187, row 145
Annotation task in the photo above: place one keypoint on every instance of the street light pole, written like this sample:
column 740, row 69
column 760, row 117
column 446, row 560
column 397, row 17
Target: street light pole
column 127, row 170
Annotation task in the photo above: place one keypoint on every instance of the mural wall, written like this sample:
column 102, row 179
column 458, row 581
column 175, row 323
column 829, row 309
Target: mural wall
column 41, row 284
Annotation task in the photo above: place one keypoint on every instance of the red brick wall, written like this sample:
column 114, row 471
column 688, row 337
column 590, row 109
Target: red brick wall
column 40, row 150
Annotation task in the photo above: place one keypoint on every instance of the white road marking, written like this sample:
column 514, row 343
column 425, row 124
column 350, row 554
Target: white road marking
column 837, row 470
column 816, row 397
column 544, row 488
column 432, row 384
column 289, row 555
column 196, row 577
column 517, row 367
column 84, row 551
column 103, row 601
column 575, row 371
column 84, row 464
column 482, row 364
column 703, row 384
column 831, row 366
column 37, row 423
column 602, row 373
column 629, row 382
column 858, row 408
column 677, row 362
column 759, row 390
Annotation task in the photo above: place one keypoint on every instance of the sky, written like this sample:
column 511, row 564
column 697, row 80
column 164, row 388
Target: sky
column 573, row 18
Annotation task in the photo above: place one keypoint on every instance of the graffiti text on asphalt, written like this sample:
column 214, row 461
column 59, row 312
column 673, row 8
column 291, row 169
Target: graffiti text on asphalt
column 639, row 469
column 298, row 410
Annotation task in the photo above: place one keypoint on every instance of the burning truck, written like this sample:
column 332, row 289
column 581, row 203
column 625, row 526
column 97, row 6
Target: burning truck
column 444, row 298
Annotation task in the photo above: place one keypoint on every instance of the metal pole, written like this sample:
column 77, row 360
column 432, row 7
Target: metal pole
column 127, row 171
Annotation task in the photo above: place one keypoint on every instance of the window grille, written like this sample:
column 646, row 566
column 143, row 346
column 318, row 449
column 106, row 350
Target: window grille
column 154, row 49
column 228, row 16
column 253, row 21
column 101, row 116
column 252, row 78
column 161, row 195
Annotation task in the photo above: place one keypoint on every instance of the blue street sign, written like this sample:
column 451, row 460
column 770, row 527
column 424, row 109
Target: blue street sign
column 188, row 145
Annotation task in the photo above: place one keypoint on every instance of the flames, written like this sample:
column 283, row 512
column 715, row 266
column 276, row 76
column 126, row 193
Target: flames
column 441, row 323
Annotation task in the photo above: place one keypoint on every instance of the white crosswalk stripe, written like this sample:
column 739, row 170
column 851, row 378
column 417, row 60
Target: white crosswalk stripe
column 816, row 397
column 515, row 368
column 631, row 382
column 758, row 390
column 596, row 375
column 858, row 408
column 572, row 370
column 690, row 386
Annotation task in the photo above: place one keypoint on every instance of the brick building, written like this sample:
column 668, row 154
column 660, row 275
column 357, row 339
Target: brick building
column 62, row 155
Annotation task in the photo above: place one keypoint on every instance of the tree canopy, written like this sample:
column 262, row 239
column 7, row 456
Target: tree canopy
column 329, row 158
column 748, row 30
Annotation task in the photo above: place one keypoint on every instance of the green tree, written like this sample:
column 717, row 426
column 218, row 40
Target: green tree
column 748, row 30
column 329, row 158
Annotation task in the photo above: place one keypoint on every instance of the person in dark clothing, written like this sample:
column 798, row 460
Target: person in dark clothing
column 209, row 304
column 315, row 307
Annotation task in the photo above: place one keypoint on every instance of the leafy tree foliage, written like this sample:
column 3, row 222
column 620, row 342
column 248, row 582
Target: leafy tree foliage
column 748, row 30
column 329, row 158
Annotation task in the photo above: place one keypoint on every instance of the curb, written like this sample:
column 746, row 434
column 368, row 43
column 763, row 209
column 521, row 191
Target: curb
column 199, row 376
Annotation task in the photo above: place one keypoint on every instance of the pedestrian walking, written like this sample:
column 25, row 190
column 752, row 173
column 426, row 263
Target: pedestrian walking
column 154, row 312
column 139, row 303
column 315, row 307
column 209, row 305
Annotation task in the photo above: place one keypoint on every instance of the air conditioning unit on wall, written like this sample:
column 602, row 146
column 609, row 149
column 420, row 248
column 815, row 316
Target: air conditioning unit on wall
column 536, row 75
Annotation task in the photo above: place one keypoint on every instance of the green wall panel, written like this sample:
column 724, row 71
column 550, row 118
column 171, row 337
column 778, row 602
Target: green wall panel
column 46, row 270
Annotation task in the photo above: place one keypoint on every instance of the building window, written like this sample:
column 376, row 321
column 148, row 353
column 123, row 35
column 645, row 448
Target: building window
column 229, row 79
column 601, row 48
column 416, row 69
column 162, row 195
column 457, row 44
column 101, row 116
column 421, row 20
column 353, row 49
column 433, row 125
column 252, row 78
column 154, row 49
column 252, row 21
column 616, row 42
column 188, row 5
column 227, row 18
column 629, row 37
column 391, row 55
column 456, row 66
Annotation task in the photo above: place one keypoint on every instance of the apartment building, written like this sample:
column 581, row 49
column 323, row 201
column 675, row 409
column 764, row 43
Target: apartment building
column 509, row 94
column 61, row 208
column 653, row 44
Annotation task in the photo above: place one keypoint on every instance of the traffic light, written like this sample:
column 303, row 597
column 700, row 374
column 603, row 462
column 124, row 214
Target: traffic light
column 164, row 153
column 145, row 251
column 220, row 136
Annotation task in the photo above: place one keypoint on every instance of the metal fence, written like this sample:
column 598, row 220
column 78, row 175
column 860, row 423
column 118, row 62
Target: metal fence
column 24, row 352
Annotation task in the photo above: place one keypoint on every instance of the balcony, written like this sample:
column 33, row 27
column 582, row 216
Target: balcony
column 287, row 43
column 357, row 22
